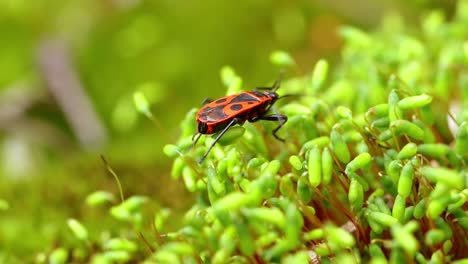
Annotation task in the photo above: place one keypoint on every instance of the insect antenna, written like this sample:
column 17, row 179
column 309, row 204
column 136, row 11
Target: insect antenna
column 195, row 136
column 290, row 95
column 277, row 83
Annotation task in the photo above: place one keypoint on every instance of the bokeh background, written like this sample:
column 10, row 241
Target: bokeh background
column 68, row 70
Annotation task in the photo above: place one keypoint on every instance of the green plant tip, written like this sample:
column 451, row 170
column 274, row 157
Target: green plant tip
column 344, row 112
column 295, row 162
column 134, row 203
column 405, row 239
column 189, row 177
column 319, row 142
column 405, row 183
column 303, row 189
column 77, row 229
column 314, row 167
column 235, row 86
column 401, row 127
column 327, row 166
column 266, row 215
column 339, row 236
column 339, row 147
column 414, row 102
column 4, row 205
column 435, row 208
column 434, row 236
column 356, row 195
column 446, row 176
column 355, row 35
column 398, row 210
column 378, row 111
column 359, row 162
column 314, row 234
column 180, row 248
column 281, row 58
column 319, row 74
column 171, row 151
column 99, row 198
column 117, row 256
column 227, row 75
column 434, row 150
column 58, row 256
column 141, row 103
column 382, row 218
column 120, row 244
column 408, row 151
column 231, row 202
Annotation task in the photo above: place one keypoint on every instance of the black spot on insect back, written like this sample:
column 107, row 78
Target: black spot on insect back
column 236, row 107
column 220, row 101
column 244, row 97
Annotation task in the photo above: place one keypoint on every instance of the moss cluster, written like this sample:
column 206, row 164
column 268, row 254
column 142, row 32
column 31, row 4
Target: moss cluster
column 373, row 168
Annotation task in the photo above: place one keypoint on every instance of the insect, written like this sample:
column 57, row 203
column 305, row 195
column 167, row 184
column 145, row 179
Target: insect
column 225, row 112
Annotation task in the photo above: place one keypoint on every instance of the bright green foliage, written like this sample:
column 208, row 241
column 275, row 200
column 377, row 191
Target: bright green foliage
column 358, row 178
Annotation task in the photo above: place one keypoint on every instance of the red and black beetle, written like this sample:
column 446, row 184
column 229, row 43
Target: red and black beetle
column 225, row 112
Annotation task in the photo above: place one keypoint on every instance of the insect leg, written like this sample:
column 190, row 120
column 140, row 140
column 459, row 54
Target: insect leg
column 276, row 117
column 275, row 85
column 206, row 101
column 233, row 122
column 196, row 136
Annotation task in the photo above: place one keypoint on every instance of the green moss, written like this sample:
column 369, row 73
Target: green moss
column 372, row 178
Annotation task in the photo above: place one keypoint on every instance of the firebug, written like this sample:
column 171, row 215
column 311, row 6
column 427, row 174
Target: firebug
column 225, row 112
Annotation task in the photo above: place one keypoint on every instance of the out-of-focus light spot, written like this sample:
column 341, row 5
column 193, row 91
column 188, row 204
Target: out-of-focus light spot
column 323, row 34
column 124, row 116
column 141, row 34
column 289, row 26
column 17, row 159
column 153, row 91
column 127, row 4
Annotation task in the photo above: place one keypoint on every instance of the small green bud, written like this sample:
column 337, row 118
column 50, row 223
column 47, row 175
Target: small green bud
column 117, row 256
column 227, row 75
column 356, row 195
column 281, row 58
column 443, row 175
column 77, row 229
column 398, row 210
column 58, row 256
column 314, row 167
column 344, row 112
column 99, row 198
column 319, row 74
column 171, row 151
column 189, row 177
column 401, row 127
column 382, row 218
column 358, row 162
column 295, row 162
column 339, row 147
column 434, row 236
column 434, row 150
column 405, row 183
column 327, row 166
column 4, row 205
column 120, row 244
column 408, row 151
column 141, row 103
column 414, row 102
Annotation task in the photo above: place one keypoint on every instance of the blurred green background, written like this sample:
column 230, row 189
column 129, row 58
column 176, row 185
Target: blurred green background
column 68, row 70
